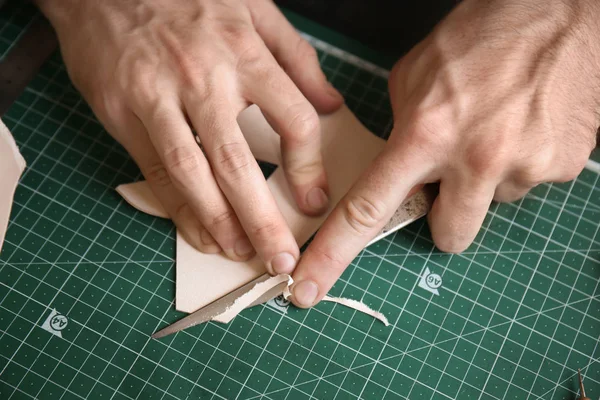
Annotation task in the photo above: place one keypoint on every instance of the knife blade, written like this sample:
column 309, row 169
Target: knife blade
column 409, row 211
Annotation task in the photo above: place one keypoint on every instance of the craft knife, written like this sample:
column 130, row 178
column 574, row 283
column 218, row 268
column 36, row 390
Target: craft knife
column 412, row 209
column 581, row 389
column 20, row 66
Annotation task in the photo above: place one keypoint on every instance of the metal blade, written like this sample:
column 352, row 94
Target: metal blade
column 271, row 294
column 411, row 210
column 415, row 207
column 209, row 311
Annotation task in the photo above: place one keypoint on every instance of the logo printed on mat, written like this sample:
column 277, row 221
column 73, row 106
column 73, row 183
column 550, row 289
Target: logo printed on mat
column 279, row 303
column 55, row 323
column 430, row 282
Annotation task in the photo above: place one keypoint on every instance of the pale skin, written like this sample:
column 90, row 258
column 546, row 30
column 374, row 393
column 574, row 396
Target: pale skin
column 155, row 70
column 503, row 95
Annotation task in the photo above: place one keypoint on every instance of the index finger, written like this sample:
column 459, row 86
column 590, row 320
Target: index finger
column 358, row 217
column 244, row 185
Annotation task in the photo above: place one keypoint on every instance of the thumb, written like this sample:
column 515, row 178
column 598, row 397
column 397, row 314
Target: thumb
column 296, row 56
column 359, row 216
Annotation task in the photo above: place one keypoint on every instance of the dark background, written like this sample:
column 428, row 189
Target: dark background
column 390, row 27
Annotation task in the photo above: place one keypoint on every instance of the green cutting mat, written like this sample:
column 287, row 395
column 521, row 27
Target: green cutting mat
column 516, row 314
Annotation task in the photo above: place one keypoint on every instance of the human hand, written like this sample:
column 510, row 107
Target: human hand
column 155, row 70
column 502, row 96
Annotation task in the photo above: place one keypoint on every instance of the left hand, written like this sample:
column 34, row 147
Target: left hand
column 155, row 71
column 502, row 96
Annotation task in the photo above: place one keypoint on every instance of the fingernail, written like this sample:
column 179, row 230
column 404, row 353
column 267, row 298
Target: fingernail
column 283, row 263
column 305, row 293
column 243, row 247
column 206, row 237
column 317, row 199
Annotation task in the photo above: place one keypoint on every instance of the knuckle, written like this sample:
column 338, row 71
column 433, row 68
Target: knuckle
column 250, row 55
column 485, row 160
column 555, row 165
column 182, row 162
column 157, row 174
column 236, row 33
column 224, row 218
column 109, row 105
column 200, row 89
column 397, row 70
column 298, row 171
column 403, row 77
column 572, row 171
column 585, row 134
column 271, row 77
column 303, row 126
column 427, row 129
column 265, row 231
column 304, row 50
column 507, row 194
column 189, row 70
column 182, row 211
column 232, row 160
column 138, row 82
column 580, row 162
column 568, row 176
column 186, row 62
column 329, row 258
column 208, row 115
column 533, row 175
column 363, row 215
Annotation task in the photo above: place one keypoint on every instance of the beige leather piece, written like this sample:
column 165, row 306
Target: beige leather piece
column 348, row 149
column 12, row 165
column 202, row 278
column 140, row 196
column 251, row 296
column 275, row 282
column 358, row 306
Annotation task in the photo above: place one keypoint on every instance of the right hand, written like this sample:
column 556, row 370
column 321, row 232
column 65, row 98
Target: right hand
column 500, row 97
column 153, row 70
